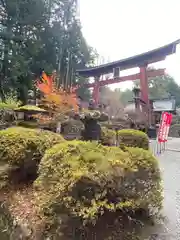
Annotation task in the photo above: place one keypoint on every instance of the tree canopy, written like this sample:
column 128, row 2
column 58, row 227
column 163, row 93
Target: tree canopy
column 37, row 35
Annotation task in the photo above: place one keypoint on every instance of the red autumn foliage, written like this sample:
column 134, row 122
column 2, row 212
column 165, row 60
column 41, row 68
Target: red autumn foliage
column 57, row 101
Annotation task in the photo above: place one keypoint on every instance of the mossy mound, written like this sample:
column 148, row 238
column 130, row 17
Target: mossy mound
column 81, row 181
column 30, row 108
column 108, row 137
column 21, row 150
column 133, row 138
column 28, row 124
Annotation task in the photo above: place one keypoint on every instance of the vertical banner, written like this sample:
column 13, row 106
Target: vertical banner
column 162, row 136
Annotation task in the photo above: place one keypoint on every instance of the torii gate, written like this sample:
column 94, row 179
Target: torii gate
column 141, row 61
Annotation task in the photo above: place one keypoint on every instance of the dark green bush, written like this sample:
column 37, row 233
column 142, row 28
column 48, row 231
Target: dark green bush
column 108, row 137
column 21, row 150
column 83, row 180
column 133, row 138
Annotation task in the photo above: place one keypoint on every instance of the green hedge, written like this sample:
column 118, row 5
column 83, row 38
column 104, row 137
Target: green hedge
column 108, row 136
column 80, row 181
column 133, row 138
column 21, row 150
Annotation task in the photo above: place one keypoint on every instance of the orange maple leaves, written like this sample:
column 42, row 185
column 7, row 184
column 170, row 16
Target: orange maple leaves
column 46, row 85
column 57, row 100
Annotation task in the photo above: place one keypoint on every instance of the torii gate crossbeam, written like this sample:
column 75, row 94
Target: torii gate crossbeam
column 133, row 77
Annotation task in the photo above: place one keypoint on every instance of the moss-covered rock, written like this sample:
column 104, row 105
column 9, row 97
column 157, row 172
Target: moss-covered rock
column 133, row 138
column 21, row 150
column 108, row 137
column 81, row 181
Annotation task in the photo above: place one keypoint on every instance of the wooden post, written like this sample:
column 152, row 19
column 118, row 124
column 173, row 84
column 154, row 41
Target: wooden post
column 96, row 91
column 144, row 84
column 144, row 91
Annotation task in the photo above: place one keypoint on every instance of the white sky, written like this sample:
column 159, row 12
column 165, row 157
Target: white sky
column 123, row 28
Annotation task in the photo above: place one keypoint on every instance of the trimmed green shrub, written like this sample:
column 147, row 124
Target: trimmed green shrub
column 80, row 181
column 21, row 150
column 30, row 108
column 133, row 138
column 10, row 104
column 108, row 137
column 28, row 124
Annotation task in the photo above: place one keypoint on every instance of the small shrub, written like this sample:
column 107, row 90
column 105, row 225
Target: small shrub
column 21, row 150
column 10, row 104
column 80, row 181
column 133, row 138
column 7, row 110
column 30, row 108
column 28, row 124
column 108, row 137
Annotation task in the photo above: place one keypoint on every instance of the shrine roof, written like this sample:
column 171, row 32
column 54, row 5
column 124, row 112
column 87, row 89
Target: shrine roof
column 152, row 56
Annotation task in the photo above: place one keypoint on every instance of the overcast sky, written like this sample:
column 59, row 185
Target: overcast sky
column 123, row 28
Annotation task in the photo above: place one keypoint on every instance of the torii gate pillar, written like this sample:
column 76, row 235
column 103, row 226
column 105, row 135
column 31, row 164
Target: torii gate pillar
column 96, row 91
column 145, row 92
column 144, row 84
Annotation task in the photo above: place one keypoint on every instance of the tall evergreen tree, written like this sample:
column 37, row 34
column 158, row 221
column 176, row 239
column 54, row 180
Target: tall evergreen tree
column 37, row 35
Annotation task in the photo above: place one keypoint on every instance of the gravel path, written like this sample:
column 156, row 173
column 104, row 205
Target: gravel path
column 170, row 168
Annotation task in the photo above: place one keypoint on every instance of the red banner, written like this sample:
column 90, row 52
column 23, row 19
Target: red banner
column 166, row 120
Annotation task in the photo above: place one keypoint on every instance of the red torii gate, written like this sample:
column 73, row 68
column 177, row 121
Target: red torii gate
column 142, row 61
column 96, row 85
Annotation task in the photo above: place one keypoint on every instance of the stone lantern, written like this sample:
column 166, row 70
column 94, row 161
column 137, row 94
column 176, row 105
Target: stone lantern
column 137, row 98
